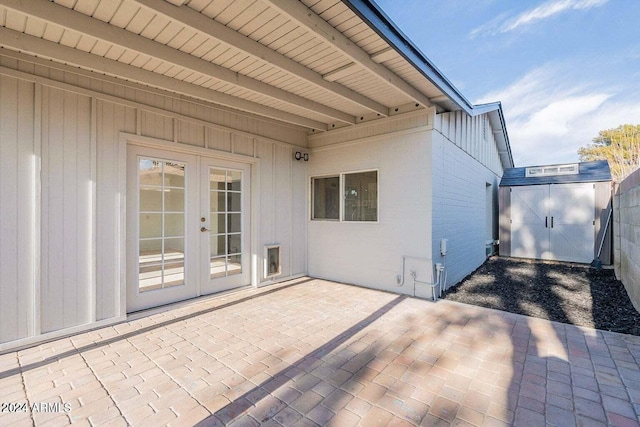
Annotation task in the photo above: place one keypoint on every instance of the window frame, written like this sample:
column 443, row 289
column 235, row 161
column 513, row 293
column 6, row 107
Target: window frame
column 341, row 196
column 312, row 207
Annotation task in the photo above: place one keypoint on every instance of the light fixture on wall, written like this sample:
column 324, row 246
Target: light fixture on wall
column 301, row 156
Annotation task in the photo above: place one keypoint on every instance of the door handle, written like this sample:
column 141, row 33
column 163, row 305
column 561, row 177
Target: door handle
column 546, row 222
column 551, row 222
column 203, row 229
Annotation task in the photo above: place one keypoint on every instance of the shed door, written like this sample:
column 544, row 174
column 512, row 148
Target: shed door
column 529, row 219
column 572, row 227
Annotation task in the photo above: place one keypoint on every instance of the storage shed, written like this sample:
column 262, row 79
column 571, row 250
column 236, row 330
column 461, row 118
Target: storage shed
column 556, row 212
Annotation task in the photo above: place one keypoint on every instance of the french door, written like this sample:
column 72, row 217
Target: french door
column 187, row 226
column 224, row 225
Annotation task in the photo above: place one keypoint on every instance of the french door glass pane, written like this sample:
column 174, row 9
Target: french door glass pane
column 161, row 195
column 234, row 244
column 234, row 201
column 234, row 265
column 218, row 224
column 174, row 200
column 174, row 174
column 150, row 225
column 225, row 200
column 218, row 267
column 218, row 245
column 217, row 178
column 150, row 172
column 217, row 203
column 150, row 199
column 234, row 181
column 173, row 224
column 234, row 224
column 173, row 274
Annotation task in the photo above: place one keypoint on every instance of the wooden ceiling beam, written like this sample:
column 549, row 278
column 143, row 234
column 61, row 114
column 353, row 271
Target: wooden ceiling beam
column 212, row 28
column 308, row 19
column 83, row 24
column 45, row 49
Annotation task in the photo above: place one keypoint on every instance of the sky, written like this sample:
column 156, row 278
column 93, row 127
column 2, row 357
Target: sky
column 563, row 69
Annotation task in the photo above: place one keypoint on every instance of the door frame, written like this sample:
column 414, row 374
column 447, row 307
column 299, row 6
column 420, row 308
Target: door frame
column 126, row 139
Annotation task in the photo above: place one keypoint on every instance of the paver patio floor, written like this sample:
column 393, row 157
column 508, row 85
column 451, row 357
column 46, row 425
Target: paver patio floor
column 312, row 352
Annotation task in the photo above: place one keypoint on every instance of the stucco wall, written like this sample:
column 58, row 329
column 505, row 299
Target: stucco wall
column 626, row 221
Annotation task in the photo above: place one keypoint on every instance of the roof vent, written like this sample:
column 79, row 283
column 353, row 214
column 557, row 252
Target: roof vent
column 552, row 170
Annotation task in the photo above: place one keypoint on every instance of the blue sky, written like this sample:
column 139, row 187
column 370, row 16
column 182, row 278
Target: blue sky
column 563, row 69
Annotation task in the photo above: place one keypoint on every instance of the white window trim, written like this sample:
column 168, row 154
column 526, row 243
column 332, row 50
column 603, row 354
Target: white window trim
column 341, row 177
column 331, row 175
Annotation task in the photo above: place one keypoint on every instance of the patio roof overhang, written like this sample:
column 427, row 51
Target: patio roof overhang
column 316, row 65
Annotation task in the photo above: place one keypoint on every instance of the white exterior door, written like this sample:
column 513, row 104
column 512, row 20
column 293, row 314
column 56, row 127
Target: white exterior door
column 224, row 225
column 572, row 225
column 553, row 222
column 187, row 226
column 529, row 222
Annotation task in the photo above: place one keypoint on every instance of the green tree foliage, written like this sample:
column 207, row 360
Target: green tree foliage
column 620, row 146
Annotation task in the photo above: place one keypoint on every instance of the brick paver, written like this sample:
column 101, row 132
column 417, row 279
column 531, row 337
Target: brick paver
column 311, row 352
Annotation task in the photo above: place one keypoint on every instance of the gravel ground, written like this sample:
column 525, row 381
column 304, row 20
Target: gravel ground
column 569, row 293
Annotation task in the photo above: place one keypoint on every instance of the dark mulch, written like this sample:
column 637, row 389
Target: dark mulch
column 563, row 292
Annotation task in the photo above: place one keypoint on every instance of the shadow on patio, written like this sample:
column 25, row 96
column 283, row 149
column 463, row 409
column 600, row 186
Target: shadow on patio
column 314, row 352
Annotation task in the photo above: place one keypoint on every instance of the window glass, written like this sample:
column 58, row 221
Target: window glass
column 161, row 230
column 361, row 196
column 326, row 198
column 226, row 222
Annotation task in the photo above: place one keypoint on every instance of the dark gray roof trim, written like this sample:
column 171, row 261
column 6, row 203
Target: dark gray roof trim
column 378, row 20
column 597, row 171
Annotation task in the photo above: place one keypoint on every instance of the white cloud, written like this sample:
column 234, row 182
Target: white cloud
column 549, row 115
column 505, row 23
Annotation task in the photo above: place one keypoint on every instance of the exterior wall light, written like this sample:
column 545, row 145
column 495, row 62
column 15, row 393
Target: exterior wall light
column 301, row 156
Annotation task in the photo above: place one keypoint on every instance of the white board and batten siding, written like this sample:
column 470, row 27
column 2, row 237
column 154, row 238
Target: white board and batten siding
column 466, row 170
column 62, row 208
column 18, row 200
column 370, row 253
column 474, row 135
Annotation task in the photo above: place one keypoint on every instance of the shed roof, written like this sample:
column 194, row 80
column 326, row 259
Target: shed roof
column 318, row 65
column 597, row 171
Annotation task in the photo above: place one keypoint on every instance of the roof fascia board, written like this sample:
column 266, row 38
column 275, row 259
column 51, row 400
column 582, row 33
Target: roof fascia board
column 257, row 50
column 375, row 17
column 45, row 49
column 496, row 118
column 76, row 21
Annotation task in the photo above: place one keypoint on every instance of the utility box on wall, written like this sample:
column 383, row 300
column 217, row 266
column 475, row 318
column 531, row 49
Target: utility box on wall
column 556, row 212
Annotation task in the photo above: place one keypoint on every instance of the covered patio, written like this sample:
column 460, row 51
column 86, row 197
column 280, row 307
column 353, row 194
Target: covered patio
column 312, row 352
